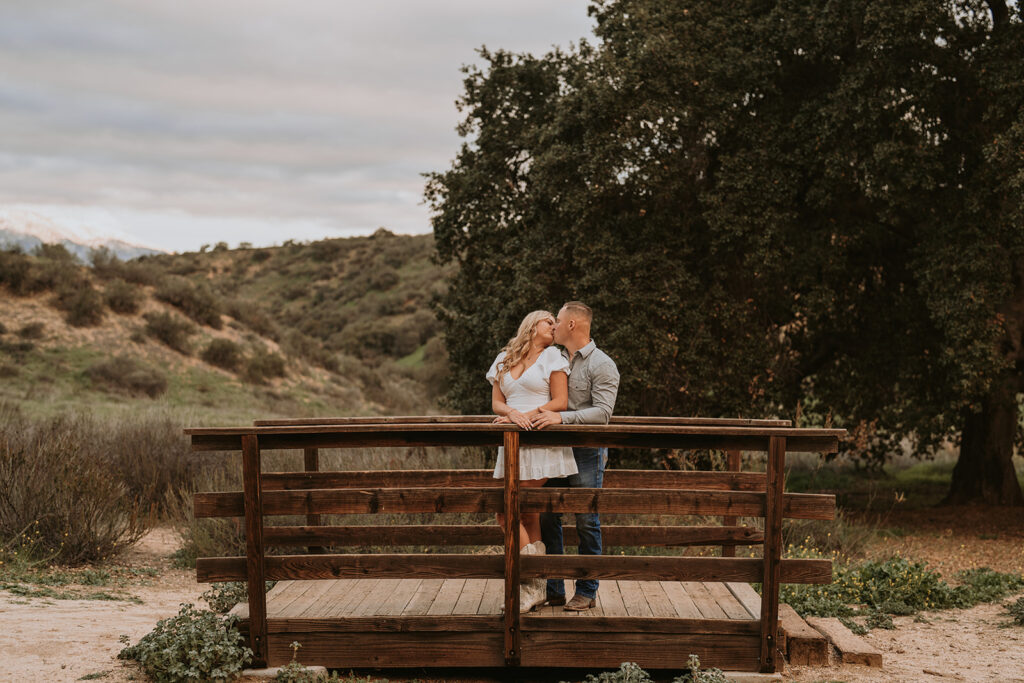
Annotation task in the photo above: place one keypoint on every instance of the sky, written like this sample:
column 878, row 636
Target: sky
column 177, row 124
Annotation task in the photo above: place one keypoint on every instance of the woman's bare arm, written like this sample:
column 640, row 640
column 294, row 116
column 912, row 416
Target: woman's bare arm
column 558, row 384
column 503, row 410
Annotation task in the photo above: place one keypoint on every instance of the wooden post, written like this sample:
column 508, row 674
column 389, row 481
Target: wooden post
column 254, row 548
column 311, row 463
column 512, row 639
column 772, row 552
column 733, row 464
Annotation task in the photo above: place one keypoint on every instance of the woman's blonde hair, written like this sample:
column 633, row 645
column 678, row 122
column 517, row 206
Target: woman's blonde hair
column 519, row 345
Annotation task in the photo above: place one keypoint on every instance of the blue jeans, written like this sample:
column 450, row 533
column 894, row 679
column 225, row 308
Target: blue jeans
column 591, row 463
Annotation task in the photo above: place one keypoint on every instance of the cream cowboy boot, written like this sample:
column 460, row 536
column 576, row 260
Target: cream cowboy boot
column 532, row 592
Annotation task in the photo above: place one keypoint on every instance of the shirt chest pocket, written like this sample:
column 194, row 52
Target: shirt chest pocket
column 579, row 383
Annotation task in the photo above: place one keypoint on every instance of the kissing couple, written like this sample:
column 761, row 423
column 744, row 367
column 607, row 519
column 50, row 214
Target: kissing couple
column 534, row 384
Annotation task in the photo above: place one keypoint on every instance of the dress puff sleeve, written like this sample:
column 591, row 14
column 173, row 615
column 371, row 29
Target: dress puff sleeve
column 492, row 374
column 554, row 361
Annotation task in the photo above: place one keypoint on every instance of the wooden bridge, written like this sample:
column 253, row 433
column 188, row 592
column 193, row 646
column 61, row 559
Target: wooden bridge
column 461, row 610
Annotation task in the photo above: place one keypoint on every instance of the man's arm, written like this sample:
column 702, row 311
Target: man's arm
column 603, row 391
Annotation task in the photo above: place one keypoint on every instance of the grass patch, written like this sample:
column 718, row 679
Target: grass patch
column 895, row 586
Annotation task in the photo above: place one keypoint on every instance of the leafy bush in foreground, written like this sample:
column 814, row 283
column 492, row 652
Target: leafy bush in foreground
column 895, row 586
column 195, row 645
column 631, row 673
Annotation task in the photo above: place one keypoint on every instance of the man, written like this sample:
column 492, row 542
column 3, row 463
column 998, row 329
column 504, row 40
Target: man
column 593, row 386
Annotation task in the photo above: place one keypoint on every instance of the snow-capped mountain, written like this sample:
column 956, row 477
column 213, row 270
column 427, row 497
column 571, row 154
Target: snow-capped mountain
column 28, row 229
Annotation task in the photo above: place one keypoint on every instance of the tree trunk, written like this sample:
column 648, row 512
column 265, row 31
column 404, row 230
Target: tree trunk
column 984, row 471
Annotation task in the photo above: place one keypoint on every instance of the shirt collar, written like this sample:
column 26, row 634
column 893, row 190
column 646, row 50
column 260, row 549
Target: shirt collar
column 588, row 349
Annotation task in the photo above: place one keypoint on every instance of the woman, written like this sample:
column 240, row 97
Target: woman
column 530, row 375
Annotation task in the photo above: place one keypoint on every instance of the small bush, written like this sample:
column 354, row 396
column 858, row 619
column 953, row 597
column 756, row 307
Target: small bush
column 197, row 301
column 140, row 272
column 224, row 596
column 171, row 330
column 224, row 353
column 253, row 317
column 264, row 365
column 632, row 673
column 1016, row 610
column 123, row 297
column 32, row 331
column 105, row 263
column 129, row 376
column 82, row 304
column 195, row 645
column 59, row 499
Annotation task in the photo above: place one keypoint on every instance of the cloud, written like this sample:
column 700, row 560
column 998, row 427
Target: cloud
column 311, row 114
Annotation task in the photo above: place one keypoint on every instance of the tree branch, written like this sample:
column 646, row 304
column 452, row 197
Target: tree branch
column 1000, row 13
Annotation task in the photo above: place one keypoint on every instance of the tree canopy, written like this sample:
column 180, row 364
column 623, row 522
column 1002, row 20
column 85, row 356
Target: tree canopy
column 774, row 208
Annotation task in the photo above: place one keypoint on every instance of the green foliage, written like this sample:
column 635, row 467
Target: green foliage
column 82, row 304
column 128, row 375
column 765, row 204
column 172, row 330
column 895, row 586
column 123, row 297
column 262, row 365
column 34, row 330
column 223, row 353
column 195, row 645
column 194, row 299
column 223, row 596
column 1016, row 611
column 629, row 672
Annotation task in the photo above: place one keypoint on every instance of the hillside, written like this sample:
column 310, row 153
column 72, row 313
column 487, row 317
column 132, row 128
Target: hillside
column 324, row 328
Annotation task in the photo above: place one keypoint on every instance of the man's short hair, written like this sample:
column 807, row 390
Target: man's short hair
column 579, row 310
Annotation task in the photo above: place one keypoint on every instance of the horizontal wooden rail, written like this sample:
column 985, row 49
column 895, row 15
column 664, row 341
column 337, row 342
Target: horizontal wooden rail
column 472, row 434
column 613, row 479
column 283, row 567
column 468, row 534
column 649, row 568
column 487, row 419
column 608, row 501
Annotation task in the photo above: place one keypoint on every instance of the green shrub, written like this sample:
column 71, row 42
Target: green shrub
column 32, row 331
column 895, row 586
column 263, row 365
column 195, row 645
column 123, row 297
column 140, row 271
column 82, row 304
column 171, row 330
column 253, row 317
column 223, row 596
column 631, row 673
column 197, row 301
column 1016, row 610
column 128, row 376
column 16, row 272
column 105, row 263
column 223, row 353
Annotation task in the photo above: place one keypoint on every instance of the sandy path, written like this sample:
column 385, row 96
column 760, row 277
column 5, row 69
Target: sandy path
column 63, row 640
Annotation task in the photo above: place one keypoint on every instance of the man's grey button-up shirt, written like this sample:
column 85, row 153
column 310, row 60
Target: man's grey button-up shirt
column 593, row 386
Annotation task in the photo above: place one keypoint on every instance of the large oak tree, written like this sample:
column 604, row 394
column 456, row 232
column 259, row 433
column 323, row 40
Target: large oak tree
column 774, row 208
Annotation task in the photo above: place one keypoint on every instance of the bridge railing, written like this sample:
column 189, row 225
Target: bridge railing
column 514, row 639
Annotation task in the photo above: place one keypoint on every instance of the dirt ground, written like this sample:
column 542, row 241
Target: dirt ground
column 64, row 640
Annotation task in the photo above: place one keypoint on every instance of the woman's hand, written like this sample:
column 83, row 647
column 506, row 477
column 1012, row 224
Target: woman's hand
column 520, row 419
column 501, row 420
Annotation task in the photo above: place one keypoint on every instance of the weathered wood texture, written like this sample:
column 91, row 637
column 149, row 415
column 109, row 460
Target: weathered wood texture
column 650, row 501
column 649, row 650
column 487, row 419
column 278, row 567
column 852, row 648
column 772, row 565
column 346, row 649
column 734, row 460
column 513, row 633
column 804, row 645
column 479, row 434
column 614, row 479
column 254, row 560
column 480, row 534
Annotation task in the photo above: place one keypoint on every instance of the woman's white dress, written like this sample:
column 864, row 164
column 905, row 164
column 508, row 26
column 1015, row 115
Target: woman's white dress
column 531, row 390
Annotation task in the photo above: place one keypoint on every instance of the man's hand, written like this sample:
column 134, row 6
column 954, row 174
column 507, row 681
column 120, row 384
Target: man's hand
column 546, row 418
